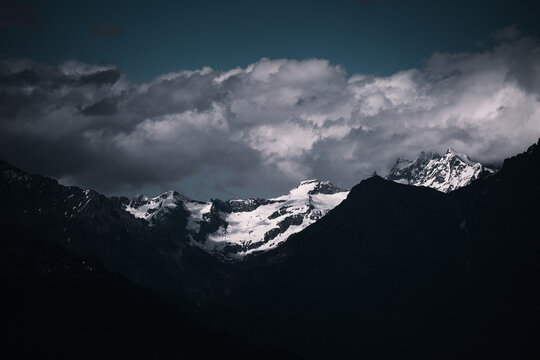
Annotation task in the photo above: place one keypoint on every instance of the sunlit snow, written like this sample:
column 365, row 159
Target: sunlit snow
column 256, row 225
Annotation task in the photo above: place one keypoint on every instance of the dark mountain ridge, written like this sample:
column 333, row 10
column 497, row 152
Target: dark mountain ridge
column 61, row 301
column 56, row 305
column 396, row 270
column 393, row 271
column 92, row 225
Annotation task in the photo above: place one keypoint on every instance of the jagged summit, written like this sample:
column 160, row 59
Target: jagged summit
column 306, row 182
column 314, row 186
column 462, row 157
column 156, row 209
column 237, row 227
column 444, row 173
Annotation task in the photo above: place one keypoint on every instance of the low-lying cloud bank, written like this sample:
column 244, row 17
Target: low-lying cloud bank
column 272, row 123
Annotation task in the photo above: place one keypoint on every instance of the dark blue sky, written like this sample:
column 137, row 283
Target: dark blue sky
column 148, row 38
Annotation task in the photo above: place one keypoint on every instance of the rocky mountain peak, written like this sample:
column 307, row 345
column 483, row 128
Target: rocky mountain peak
column 443, row 173
column 235, row 228
column 307, row 182
column 314, row 186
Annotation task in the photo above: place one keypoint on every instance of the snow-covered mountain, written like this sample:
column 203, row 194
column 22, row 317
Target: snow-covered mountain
column 443, row 173
column 235, row 228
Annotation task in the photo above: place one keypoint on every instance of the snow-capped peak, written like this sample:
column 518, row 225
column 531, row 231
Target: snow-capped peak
column 307, row 182
column 238, row 227
column 462, row 157
column 152, row 208
column 269, row 222
column 315, row 186
column 444, row 173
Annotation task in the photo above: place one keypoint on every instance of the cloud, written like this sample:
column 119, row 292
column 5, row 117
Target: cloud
column 508, row 33
column 106, row 30
column 102, row 107
column 266, row 126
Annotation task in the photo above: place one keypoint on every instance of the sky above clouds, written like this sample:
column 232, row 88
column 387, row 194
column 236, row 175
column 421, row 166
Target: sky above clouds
column 149, row 38
column 258, row 128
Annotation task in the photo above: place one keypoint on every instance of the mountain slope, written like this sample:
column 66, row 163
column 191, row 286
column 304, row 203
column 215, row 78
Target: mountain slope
column 57, row 305
column 397, row 270
column 235, row 228
column 60, row 299
column 92, row 225
column 392, row 271
column 444, row 173
column 360, row 282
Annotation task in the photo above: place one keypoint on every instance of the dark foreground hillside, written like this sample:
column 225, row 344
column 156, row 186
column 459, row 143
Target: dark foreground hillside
column 59, row 306
column 65, row 255
column 394, row 271
column 399, row 271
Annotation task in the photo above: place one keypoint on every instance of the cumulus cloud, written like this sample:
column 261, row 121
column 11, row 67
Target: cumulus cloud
column 272, row 123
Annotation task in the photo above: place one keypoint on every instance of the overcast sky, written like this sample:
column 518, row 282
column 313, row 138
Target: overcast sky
column 251, row 118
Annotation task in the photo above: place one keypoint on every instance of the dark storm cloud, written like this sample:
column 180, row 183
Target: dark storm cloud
column 106, row 30
column 176, row 93
column 101, row 108
column 272, row 123
column 25, row 77
column 16, row 13
column 100, row 78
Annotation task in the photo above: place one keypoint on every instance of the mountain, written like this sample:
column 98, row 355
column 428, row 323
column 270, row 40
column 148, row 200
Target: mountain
column 444, row 173
column 89, row 224
column 82, row 278
column 392, row 271
column 57, row 305
column 402, row 271
column 235, row 228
